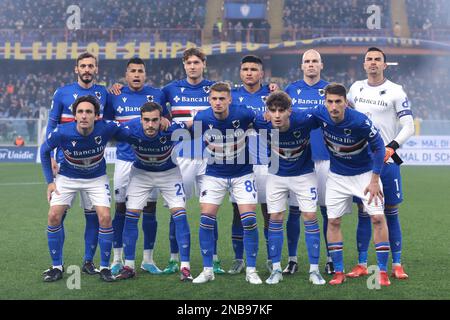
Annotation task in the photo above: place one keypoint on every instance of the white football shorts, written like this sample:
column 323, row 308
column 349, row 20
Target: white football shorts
column 142, row 183
column 242, row 189
column 95, row 190
column 303, row 188
column 342, row 189
column 122, row 178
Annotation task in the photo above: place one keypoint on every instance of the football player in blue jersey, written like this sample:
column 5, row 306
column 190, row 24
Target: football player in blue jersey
column 354, row 172
column 305, row 94
column 153, row 168
column 186, row 98
column 83, row 168
column 251, row 94
column 387, row 105
column 289, row 139
column 86, row 69
column 124, row 107
column 223, row 128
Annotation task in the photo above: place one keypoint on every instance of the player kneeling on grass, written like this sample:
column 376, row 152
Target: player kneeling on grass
column 354, row 172
column 83, row 143
column 154, row 169
column 289, row 134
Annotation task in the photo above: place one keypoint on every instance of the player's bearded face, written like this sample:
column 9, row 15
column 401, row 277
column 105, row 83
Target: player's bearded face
column 151, row 122
column 135, row 76
column 251, row 73
column 86, row 70
column 336, row 107
column 194, row 67
column 374, row 63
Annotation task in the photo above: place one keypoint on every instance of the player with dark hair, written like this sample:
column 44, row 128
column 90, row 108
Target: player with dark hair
column 83, row 168
column 354, row 172
column 86, row 69
column 152, row 169
column 123, row 107
column 387, row 105
column 289, row 139
column 252, row 94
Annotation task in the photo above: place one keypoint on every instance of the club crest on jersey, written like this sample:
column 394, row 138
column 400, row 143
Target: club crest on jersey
column 297, row 134
column 206, row 89
column 75, row 96
column 149, row 98
column 98, row 139
column 163, row 140
column 236, row 123
column 98, row 95
column 321, row 92
column 347, row 132
column 74, row 143
column 124, row 99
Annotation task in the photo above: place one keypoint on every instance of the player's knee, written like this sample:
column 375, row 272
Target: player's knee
column 150, row 207
column 334, row 224
column 309, row 216
column 104, row 219
column 54, row 217
column 378, row 220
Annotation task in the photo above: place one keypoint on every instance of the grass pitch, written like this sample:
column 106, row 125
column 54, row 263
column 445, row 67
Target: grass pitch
column 23, row 219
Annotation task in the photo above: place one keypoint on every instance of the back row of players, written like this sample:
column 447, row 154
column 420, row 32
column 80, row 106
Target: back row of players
column 381, row 100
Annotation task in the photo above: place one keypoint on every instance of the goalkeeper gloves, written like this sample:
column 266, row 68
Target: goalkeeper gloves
column 390, row 149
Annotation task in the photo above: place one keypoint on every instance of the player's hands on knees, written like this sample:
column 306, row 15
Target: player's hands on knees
column 273, row 87
column 164, row 124
column 55, row 167
column 388, row 154
column 116, row 89
column 375, row 192
column 50, row 189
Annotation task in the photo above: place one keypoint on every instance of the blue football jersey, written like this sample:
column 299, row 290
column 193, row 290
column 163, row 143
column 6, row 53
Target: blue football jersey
column 127, row 106
column 304, row 97
column 257, row 102
column 152, row 153
column 226, row 142
column 348, row 142
column 186, row 100
column 83, row 155
column 61, row 107
column 292, row 147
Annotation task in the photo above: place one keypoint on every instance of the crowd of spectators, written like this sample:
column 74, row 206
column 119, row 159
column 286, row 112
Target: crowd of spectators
column 256, row 31
column 167, row 20
column 316, row 18
column 428, row 19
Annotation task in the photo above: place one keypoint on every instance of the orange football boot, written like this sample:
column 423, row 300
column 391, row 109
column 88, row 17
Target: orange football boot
column 384, row 279
column 358, row 271
column 399, row 273
column 338, row 278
